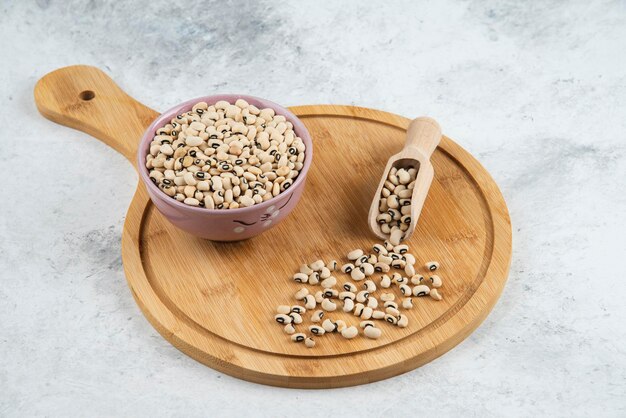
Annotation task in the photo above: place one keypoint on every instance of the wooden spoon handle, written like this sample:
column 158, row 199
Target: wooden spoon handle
column 85, row 98
column 424, row 134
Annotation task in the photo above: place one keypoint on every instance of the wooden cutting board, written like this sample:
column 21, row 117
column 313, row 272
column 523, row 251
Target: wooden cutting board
column 216, row 301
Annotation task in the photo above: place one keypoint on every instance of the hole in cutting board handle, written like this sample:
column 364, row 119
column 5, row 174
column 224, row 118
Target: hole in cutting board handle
column 86, row 95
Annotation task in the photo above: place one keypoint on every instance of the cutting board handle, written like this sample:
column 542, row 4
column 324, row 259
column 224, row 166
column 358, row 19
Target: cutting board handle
column 423, row 134
column 85, row 98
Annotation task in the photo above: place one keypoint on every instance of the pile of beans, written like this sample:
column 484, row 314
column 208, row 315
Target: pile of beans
column 225, row 156
column 394, row 209
column 358, row 300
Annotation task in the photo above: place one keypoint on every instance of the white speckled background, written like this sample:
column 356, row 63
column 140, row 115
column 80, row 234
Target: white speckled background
column 535, row 90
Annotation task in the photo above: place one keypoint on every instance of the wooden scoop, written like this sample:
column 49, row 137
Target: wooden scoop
column 422, row 137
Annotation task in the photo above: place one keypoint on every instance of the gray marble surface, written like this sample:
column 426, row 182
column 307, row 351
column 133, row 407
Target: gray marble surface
column 535, row 90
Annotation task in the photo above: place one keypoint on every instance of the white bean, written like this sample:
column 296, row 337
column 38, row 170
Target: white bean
column 350, row 332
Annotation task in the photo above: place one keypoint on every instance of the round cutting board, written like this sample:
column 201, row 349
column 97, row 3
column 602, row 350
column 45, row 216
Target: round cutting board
column 216, row 301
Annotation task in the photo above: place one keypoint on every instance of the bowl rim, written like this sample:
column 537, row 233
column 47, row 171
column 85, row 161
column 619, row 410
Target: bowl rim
column 299, row 128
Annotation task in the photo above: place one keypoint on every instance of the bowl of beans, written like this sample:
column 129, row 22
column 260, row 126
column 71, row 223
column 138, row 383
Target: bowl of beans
column 225, row 167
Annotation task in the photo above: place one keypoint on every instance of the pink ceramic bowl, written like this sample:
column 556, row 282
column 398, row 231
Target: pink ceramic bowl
column 225, row 224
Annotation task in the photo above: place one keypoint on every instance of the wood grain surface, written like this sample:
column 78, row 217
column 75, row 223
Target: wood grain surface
column 216, row 301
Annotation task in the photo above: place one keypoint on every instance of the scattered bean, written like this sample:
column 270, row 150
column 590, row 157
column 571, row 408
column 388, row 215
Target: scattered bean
column 434, row 293
column 355, row 254
column 435, row 280
column 289, row 329
column 328, row 305
column 432, row 265
column 317, row 316
column 372, row 332
column 309, row 342
column 421, row 290
column 283, row 309
column 329, row 282
column 300, row 294
column 298, row 338
column 349, row 332
column 295, row 318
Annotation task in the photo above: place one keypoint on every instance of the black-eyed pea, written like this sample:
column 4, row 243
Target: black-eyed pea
column 409, row 258
column 358, row 309
column 289, row 329
column 396, row 236
column 348, row 305
column 298, row 338
column 366, row 323
column 369, row 285
column 314, row 278
column 432, row 265
column 401, row 249
column 341, row 325
column 362, row 296
column 355, row 254
column 304, row 268
column 300, row 278
column 385, row 281
column 309, row 342
column 386, row 297
column 378, row 314
column 372, row 259
column 191, row 201
column 296, row 318
column 357, row 275
column 329, row 282
column 379, row 249
column 435, row 281
column 317, row 265
column 367, row 269
column 350, row 287
column 328, row 305
column 391, row 319
column 332, row 265
column 283, row 309
column 402, row 280
column 372, row 302
column 349, row 332
column 329, row 326
column 324, row 273
column 409, row 269
column 283, row 319
column 381, row 267
column 372, row 332
column 388, row 245
column 309, row 302
column 330, row 293
column 390, row 304
column 347, row 295
column 434, row 293
column 417, row 279
column 319, row 296
column 421, row 290
column 403, row 321
column 392, row 311
column 316, row 330
column 298, row 309
column 361, row 260
column 317, row 316
column 366, row 313
column 399, row 264
column 300, row 294
column 407, row 303
column 347, row 268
